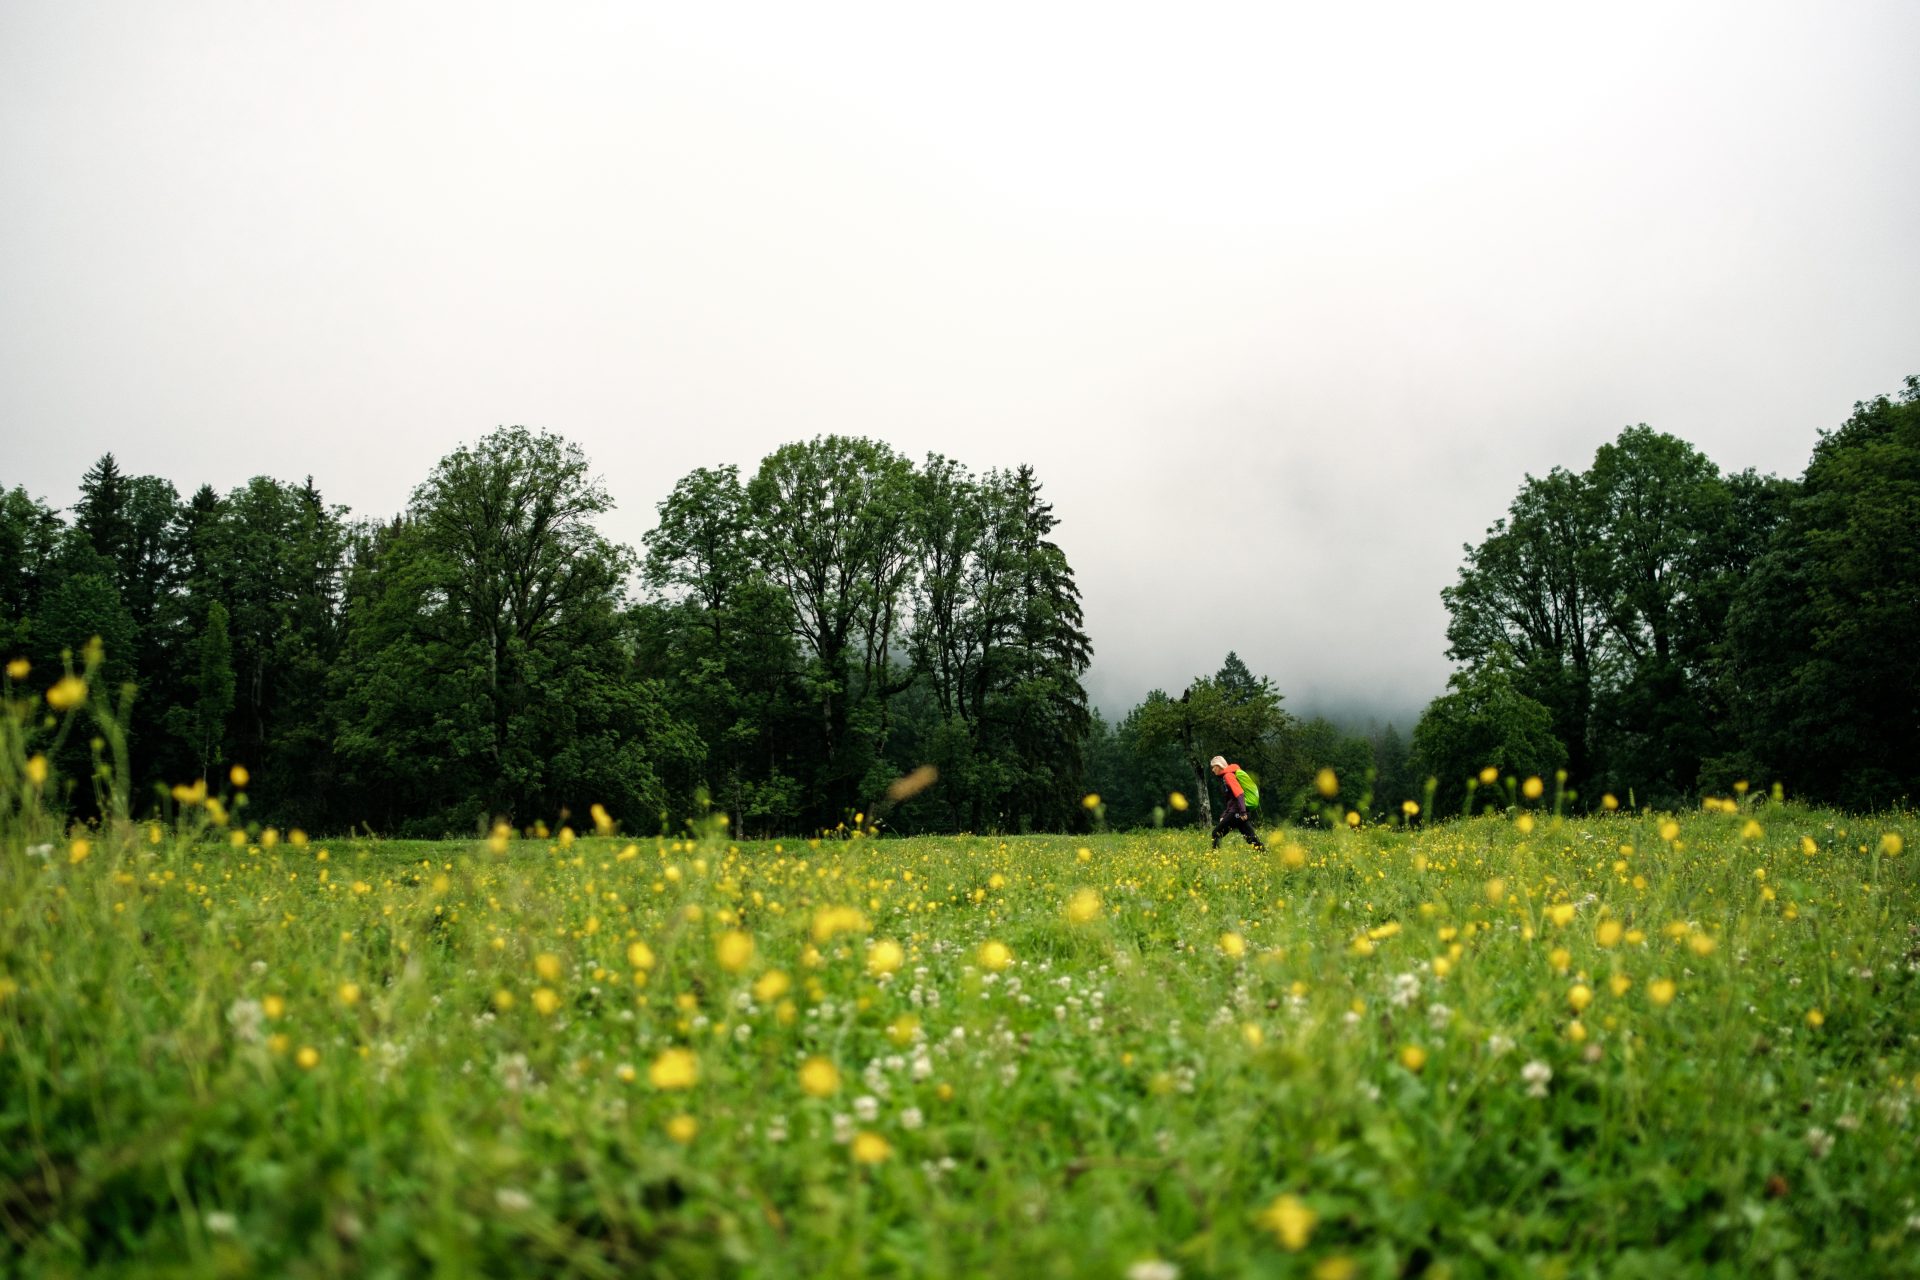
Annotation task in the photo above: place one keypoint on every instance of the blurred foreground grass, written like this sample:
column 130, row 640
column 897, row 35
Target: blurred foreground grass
column 1623, row 1045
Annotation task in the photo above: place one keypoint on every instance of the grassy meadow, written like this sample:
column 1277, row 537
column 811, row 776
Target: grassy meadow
column 1626, row 1045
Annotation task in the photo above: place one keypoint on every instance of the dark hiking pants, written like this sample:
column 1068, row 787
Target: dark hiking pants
column 1235, row 820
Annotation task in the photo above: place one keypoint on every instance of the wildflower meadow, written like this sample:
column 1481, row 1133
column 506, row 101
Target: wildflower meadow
column 1520, row 1044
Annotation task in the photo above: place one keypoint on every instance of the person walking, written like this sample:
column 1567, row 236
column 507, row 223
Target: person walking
column 1242, row 791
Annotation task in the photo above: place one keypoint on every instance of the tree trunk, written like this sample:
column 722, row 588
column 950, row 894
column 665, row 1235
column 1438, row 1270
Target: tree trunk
column 1205, row 793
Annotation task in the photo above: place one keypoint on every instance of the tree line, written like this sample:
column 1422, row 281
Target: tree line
column 1648, row 629
column 790, row 645
column 796, row 641
column 1660, row 631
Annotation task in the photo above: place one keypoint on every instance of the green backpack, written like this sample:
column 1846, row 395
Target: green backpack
column 1250, row 787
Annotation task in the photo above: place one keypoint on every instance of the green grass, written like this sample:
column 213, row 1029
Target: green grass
column 1125, row 1090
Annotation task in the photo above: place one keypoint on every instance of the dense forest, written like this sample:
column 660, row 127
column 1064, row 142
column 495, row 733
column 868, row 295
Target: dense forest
column 794, row 641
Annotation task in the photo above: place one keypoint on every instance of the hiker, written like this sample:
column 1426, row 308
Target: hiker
column 1242, row 791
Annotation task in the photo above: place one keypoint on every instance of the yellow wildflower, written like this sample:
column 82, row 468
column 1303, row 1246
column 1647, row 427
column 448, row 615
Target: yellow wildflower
column 1291, row 1221
column 674, row 1069
column 830, row 921
column 68, row 693
column 886, row 957
column 734, row 950
column 819, row 1078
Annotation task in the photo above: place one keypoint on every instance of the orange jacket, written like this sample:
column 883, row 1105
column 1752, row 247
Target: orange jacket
column 1232, row 778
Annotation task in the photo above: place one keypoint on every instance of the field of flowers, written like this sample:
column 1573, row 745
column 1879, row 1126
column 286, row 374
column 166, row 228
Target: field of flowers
column 1628, row 1045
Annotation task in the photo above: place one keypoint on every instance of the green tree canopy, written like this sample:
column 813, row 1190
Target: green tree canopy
column 1484, row 720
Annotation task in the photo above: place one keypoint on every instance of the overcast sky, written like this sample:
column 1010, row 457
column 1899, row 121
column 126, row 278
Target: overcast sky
column 1282, row 301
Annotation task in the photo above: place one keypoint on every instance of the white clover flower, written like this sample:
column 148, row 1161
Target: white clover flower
column 513, row 1200
column 1406, row 987
column 911, row 1118
column 245, row 1017
column 514, row 1072
column 1536, row 1074
column 221, row 1223
column 1153, row 1269
column 1498, row 1045
column 1819, row 1142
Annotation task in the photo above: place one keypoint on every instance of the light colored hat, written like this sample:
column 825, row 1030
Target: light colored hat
column 1218, row 762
